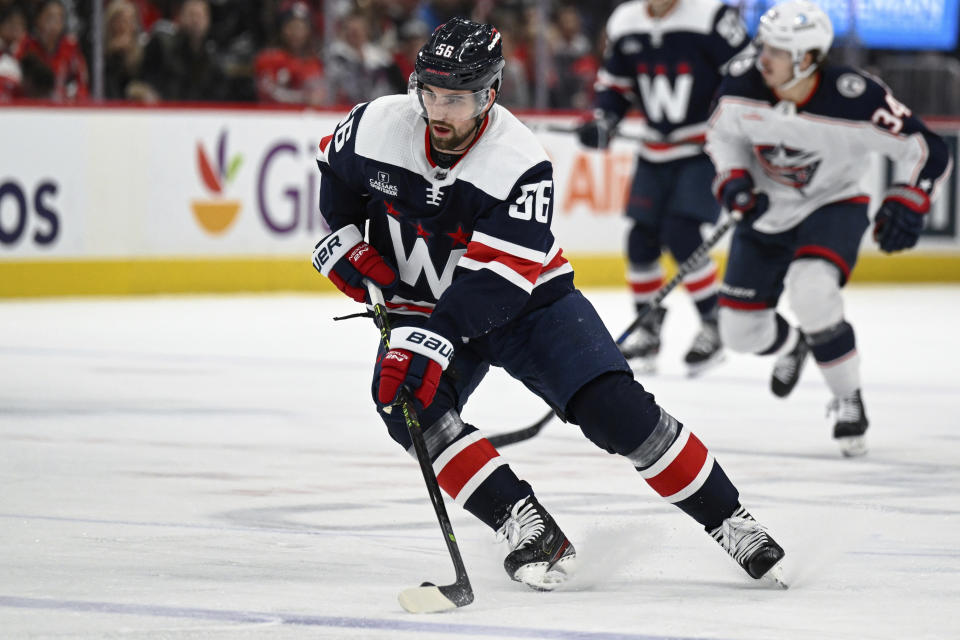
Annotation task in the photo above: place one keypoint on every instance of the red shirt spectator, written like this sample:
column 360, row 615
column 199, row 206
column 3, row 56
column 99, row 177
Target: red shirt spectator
column 287, row 78
column 293, row 73
column 58, row 51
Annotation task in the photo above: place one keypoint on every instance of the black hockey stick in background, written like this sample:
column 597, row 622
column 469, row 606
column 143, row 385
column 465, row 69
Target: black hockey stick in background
column 688, row 265
column 427, row 598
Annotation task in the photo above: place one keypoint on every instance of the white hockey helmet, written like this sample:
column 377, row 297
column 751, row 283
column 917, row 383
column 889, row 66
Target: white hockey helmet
column 797, row 26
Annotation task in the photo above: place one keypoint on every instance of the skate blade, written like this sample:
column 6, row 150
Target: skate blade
column 774, row 576
column 853, row 446
column 694, row 370
column 539, row 578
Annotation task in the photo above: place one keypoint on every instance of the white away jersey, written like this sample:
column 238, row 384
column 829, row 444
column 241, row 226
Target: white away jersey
column 472, row 243
column 808, row 155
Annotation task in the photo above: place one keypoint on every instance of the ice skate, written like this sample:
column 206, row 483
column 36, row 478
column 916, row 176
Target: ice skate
column 541, row 556
column 851, row 424
column 787, row 368
column 749, row 543
column 643, row 345
column 706, row 351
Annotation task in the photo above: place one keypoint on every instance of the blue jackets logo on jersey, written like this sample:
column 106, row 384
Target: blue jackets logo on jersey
column 792, row 167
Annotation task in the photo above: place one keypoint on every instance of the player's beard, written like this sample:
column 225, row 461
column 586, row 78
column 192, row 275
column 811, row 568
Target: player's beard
column 454, row 143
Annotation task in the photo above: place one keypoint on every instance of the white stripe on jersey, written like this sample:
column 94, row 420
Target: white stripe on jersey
column 509, row 247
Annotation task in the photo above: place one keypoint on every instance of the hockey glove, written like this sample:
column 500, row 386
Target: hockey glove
column 597, row 132
column 900, row 218
column 736, row 192
column 416, row 359
column 347, row 260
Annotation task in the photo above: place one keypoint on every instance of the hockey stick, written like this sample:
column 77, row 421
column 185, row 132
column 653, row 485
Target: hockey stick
column 688, row 265
column 427, row 598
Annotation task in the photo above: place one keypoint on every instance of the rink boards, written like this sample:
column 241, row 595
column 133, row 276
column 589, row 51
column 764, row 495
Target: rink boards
column 135, row 200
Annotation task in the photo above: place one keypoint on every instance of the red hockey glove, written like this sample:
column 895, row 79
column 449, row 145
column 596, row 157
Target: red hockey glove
column 416, row 360
column 735, row 191
column 899, row 221
column 347, row 260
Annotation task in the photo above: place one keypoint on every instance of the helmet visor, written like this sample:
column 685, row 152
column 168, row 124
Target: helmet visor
column 444, row 104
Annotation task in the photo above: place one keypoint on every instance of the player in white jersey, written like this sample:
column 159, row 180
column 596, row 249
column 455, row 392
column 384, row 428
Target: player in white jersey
column 666, row 57
column 789, row 136
column 456, row 196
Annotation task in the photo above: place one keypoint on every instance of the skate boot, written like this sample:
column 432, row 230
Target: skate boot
column 707, row 350
column 540, row 555
column 643, row 345
column 748, row 542
column 851, row 424
column 787, row 368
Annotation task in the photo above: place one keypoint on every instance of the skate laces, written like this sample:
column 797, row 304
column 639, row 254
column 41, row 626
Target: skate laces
column 741, row 536
column 847, row 408
column 786, row 366
column 523, row 525
column 707, row 340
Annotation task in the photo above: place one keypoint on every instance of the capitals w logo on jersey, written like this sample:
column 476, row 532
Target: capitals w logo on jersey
column 663, row 99
column 792, row 167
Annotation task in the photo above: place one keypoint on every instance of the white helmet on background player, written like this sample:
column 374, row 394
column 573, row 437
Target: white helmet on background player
column 799, row 27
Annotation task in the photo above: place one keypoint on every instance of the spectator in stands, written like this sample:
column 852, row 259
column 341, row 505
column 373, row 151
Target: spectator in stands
column 51, row 46
column 123, row 48
column 410, row 37
column 180, row 61
column 574, row 64
column 291, row 73
column 13, row 28
column 360, row 70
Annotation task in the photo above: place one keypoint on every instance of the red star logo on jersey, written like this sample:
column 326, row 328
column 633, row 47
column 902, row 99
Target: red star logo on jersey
column 459, row 237
column 421, row 232
column 391, row 210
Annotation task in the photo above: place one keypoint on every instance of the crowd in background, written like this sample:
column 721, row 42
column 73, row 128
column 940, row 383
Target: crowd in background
column 273, row 51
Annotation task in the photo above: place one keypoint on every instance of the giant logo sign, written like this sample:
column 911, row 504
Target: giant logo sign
column 27, row 213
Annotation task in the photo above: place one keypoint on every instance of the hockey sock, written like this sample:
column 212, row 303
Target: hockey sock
column 682, row 235
column 644, row 281
column 469, row 469
column 619, row 416
column 835, row 350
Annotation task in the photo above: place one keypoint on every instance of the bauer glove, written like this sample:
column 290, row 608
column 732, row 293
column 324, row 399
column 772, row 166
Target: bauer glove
column 735, row 191
column 416, row 360
column 899, row 220
column 347, row 260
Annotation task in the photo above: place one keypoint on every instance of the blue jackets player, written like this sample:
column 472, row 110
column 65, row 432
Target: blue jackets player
column 667, row 57
column 456, row 196
column 789, row 137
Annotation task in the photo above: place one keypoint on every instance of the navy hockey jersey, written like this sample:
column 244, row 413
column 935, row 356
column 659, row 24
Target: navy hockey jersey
column 472, row 243
column 811, row 154
column 671, row 68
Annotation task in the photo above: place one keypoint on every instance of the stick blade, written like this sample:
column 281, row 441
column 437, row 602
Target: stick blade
column 429, row 598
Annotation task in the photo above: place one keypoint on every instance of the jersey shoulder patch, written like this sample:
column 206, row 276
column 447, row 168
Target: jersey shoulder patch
column 849, row 93
column 386, row 130
column 506, row 151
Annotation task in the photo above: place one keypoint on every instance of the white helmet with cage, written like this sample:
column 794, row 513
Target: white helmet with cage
column 797, row 26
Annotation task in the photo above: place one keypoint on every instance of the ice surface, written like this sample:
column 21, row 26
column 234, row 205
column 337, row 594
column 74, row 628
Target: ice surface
column 211, row 467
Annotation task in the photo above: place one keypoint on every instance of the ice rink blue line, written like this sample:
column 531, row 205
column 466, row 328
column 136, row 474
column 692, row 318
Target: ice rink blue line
column 343, row 622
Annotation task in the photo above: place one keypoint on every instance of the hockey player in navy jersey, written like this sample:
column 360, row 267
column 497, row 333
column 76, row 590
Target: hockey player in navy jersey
column 667, row 58
column 456, row 196
column 789, row 137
